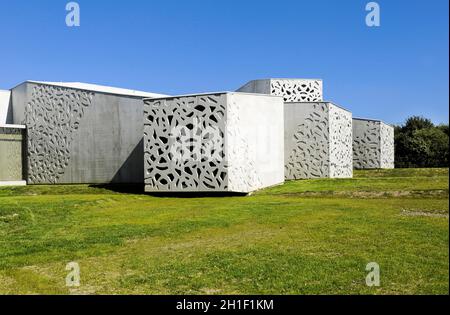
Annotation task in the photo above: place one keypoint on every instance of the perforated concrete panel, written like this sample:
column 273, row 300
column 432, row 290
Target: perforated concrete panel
column 222, row 142
column 292, row 90
column 373, row 144
column 318, row 141
column 76, row 135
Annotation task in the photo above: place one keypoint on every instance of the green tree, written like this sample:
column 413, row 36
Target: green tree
column 419, row 143
column 414, row 123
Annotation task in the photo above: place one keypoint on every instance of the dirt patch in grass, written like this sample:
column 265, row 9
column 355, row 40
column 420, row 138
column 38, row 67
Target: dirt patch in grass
column 443, row 193
column 421, row 213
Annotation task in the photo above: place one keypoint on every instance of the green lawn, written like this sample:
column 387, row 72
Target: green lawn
column 305, row 237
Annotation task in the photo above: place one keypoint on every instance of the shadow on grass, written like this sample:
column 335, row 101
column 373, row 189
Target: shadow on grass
column 194, row 194
column 121, row 188
column 140, row 190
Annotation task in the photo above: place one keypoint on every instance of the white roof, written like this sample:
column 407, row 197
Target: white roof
column 4, row 105
column 101, row 88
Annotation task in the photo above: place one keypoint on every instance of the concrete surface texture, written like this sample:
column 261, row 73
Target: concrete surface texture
column 292, row 90
column 11, row 158
column 318, row 141
column 5, row 99
column 220, row 142
column 373, row 144
column 80, row 136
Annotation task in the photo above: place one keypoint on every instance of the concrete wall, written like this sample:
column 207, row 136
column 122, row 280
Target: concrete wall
column 341, row 142
column 255, row 141
column 292, row 90
column 387, row 146
column 373, row 144
column 11, row 142
column 79, row 136
column 317, row 141
column 222, row 142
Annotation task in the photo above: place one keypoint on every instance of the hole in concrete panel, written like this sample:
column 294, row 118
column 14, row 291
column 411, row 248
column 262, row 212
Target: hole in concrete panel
column 200, row 108
column 188, row 170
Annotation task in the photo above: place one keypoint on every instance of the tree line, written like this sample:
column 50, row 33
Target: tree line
column 420, row 143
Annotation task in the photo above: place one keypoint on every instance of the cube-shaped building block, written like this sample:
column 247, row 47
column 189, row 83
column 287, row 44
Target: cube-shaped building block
column 318, row 141
column 292, row 90
column 373, row 144
column 221, row 142
column 80, row 133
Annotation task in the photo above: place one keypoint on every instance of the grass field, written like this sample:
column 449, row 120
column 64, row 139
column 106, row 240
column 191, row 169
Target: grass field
column 305, row 237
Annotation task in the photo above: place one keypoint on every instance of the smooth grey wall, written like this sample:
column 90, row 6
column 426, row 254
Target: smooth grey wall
column 80, row 136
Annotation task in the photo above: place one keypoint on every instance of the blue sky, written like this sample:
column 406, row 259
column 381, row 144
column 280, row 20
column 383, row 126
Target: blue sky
column 186, row 46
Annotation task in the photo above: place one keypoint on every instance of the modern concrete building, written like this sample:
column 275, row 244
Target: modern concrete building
column 292, row 90
column 79, row 133
column 373, row 144
column 218, row 142
column 268, row 131
column 317, row 134
column 318, row 141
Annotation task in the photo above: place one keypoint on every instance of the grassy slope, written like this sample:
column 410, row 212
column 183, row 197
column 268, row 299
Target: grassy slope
column 304, row 237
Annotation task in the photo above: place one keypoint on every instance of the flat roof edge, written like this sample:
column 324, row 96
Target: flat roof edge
column 286, row 79
column 92, row 90
column 211, row 93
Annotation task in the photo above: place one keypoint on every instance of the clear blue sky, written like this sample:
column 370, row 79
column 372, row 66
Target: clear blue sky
column 188, row 46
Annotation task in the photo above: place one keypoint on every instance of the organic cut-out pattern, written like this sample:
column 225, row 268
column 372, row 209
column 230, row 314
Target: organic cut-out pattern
column 297, row 90
column 309, row 158
column 366, row 144
column 373, row 144
column 341, row 154
column 184, row 143
column 322, row 143
column 52, row 116
column 387, row 146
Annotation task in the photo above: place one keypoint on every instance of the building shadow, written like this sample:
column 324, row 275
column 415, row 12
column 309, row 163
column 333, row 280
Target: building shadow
column 129, row 179
column 121, row 188
column 194, row 194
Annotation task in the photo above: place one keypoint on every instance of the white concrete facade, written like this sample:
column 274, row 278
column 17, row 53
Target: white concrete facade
column 292, row 90
column 219, row 142
column 373, row 144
